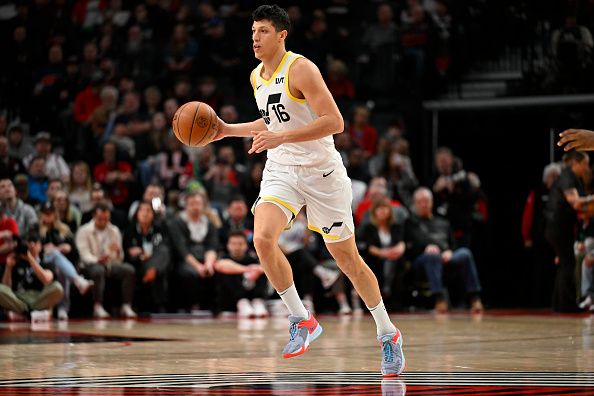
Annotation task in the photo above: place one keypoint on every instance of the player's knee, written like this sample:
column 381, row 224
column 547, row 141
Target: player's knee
column 264, row 243
column 352, row 265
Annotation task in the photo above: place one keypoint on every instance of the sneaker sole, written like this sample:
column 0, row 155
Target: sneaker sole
column 311, row 338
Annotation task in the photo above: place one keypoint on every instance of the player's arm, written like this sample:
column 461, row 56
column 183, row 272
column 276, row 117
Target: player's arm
column 579, row 139
column 305, row 80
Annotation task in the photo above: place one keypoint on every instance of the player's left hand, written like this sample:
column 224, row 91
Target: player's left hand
column 579, row 139
column 265, row 140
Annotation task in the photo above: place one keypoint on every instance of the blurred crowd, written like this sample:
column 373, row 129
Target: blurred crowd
column 97, row 193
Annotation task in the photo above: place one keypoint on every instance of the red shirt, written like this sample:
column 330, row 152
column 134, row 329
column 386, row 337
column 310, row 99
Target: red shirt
column 85, row 104
column 118, row 192
column 364, row 207
column 366, row 138
column 8, row 224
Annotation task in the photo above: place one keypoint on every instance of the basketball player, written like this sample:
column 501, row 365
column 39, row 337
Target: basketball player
column 299, row 117
column 579, row 139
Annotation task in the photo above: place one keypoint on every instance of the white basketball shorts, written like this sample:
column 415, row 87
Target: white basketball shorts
column 325, row 190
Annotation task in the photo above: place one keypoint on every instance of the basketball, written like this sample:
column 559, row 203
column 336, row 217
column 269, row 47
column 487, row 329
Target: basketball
column 195, row 124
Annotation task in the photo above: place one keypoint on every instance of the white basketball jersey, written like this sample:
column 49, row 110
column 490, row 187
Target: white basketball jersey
column 282, row 111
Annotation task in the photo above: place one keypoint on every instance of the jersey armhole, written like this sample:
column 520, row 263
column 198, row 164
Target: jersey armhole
column 287, row 90
column 253, row 80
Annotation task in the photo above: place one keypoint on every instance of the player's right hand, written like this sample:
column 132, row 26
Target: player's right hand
column 579, row 139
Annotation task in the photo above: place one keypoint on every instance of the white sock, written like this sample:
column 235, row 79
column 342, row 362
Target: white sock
column 382, row 320
column 293, row 302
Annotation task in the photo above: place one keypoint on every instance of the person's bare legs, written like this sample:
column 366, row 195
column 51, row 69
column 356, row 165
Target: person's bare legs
column 269, row 222
column 363, row 279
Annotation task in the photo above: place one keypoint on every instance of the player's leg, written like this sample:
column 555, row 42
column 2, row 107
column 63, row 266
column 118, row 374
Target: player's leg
column 363, row 279
column 269, row 221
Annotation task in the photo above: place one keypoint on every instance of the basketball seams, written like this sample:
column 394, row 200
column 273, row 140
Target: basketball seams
column 192, row 127
column 176, row 130
column 207, row 129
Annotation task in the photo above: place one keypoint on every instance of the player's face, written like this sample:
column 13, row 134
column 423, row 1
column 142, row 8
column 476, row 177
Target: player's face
column 265, row 38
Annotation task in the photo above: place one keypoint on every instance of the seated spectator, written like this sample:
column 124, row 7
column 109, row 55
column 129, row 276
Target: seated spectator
column 237, row 220
column 195, row 250
column 147, row 248
column 174, row 165
column 21, row 185
column 10, row 166
column 37, row 181
column 430, row 242
column 55, row 166
column 99, row 244
column 130, row 131
column 181, row 50
column 398, row 171
column 9, row 231
column 81, row 184
column 222, row 179
column 339, row 84
column 363, row 134
column 59, row 249
column 293, row 242
column 28, row 283
column 115, row 175
column 381, row 241
column 23, row 213
column 154, row 194
column 240, row 284
column 19, row 144
column 376, row 192
column 67, row 213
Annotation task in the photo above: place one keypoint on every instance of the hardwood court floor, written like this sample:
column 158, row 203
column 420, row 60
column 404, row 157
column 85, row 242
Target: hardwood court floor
column 500, row 353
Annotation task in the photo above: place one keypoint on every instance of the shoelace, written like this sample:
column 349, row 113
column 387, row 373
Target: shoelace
column 388, row 352
column 293, row 331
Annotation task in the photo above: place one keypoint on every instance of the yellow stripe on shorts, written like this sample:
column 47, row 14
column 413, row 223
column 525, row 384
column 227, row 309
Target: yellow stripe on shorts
column 316, row 229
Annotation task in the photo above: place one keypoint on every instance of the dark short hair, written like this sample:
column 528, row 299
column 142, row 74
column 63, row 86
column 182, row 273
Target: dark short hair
column 577, row 156
column 239, row 234
column 101, row 207
column 275, row 14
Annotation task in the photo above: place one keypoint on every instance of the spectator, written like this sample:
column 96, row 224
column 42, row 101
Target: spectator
column 541, row 254
column 250, row 186
column 237, row 220
column 67, row 213
column 130, row 131
column 99, row 244
column 458, row 196
column 339, row 84
column 416, row 35
column 9, row 232
column 152, row 101
column 195, row 250
column 222, row 179
column 21, row 185
column 430, row 243
column 147, row 249
column 19, row 145
column 565, row 199
column 399, row 174
column 59, row 250
column 377, row 191
column 381, row 241
column 55, row 166
column 37, row 181
column 362, row 133
column 154, row 194
column 380, row 50
column 9, row 166
column 53, row 186
column 23, row 213
column 175, row 167
column 81, row 185
column 115, row 175
column 87, row 100
column 181, row 51
column 28, row 284
column 240, row 284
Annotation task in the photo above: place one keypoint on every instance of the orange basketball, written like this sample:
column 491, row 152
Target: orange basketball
column 195, row 124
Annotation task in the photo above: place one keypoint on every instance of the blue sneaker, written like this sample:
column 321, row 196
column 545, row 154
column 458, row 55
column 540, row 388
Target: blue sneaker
column 302, row 333
column 393, row 362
